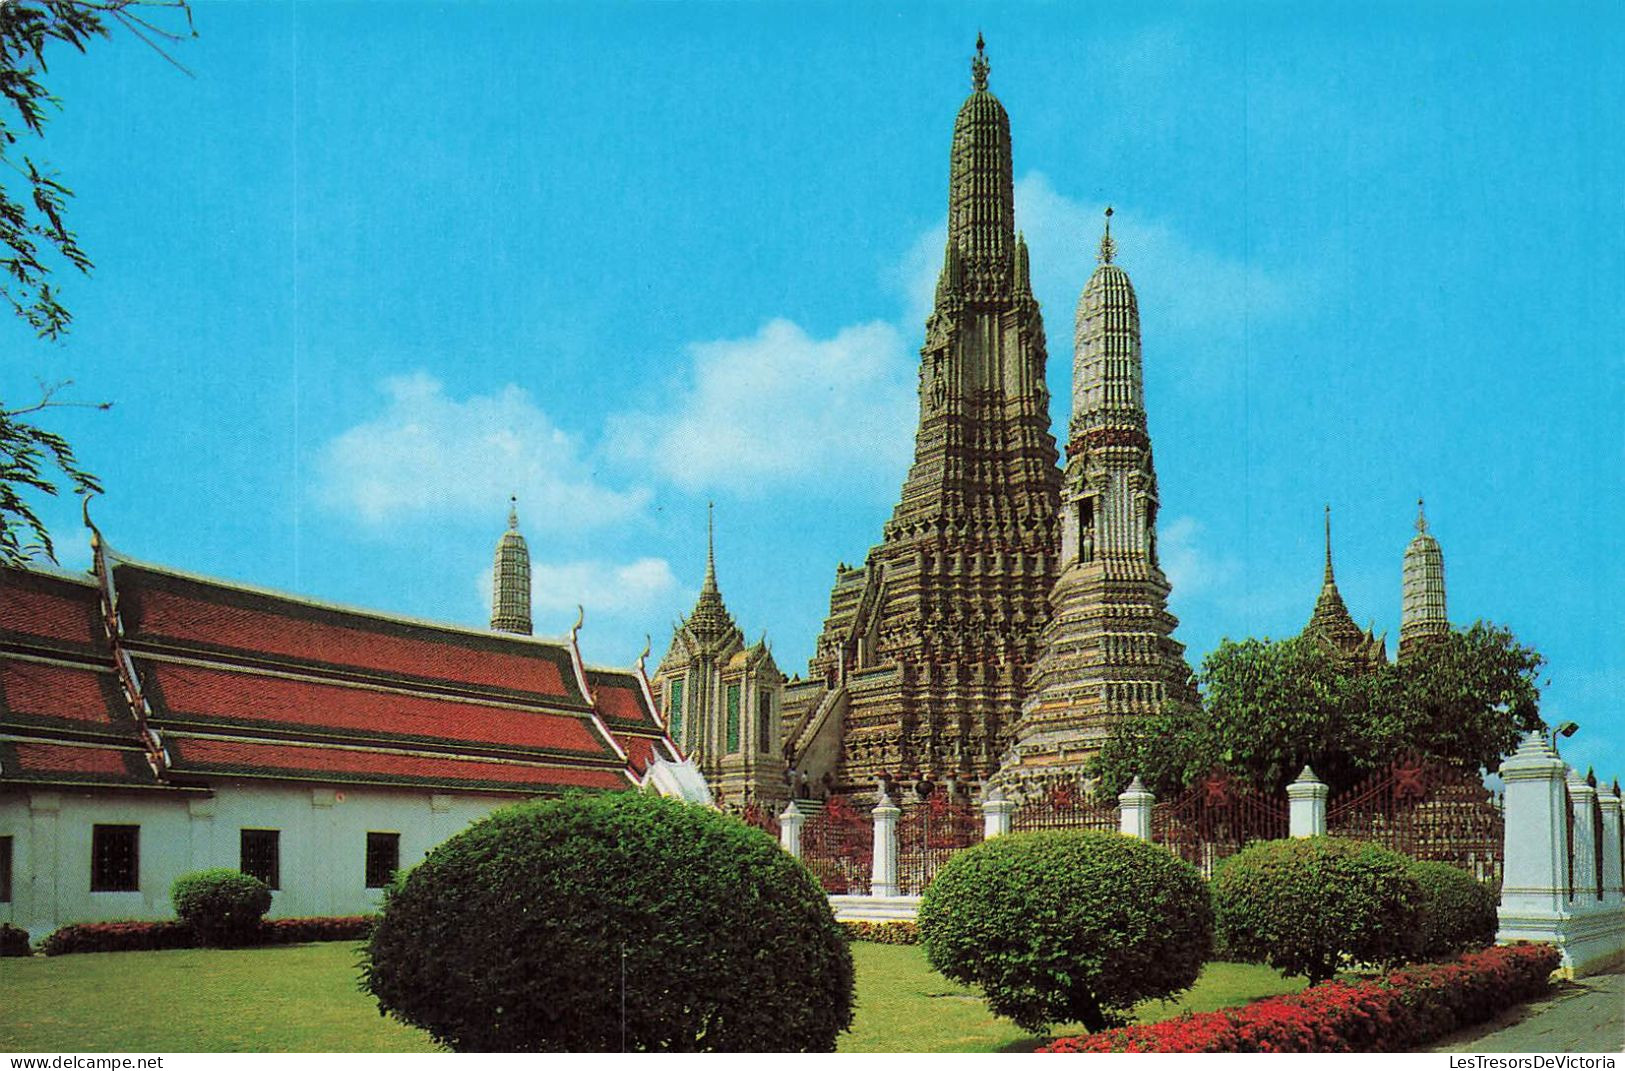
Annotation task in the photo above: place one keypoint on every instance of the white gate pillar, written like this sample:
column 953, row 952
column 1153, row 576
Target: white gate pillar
column 883, row 876
column 1306, row 802
column 790, row 822
column 1613, row 883
column 1535, row 875
column 1582, row 797
column 996, row 811
column 1134, row 810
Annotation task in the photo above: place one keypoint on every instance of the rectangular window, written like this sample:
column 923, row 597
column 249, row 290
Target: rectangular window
column 5, row 870
column 261, row 855
column 764, row 720
column 733, row 718
column 383, row 858
column 674, row 710
column 115, row 858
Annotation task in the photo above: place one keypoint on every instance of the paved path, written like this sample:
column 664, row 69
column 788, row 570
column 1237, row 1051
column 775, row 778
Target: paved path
column 1587, row 1015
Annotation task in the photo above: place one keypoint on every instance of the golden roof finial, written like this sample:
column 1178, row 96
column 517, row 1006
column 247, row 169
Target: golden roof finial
column 978, row 66
column 513, row 513
column 1108, row 246
column 1421, row 518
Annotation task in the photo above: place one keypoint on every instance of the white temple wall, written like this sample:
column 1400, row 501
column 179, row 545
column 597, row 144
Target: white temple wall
column 322, row 844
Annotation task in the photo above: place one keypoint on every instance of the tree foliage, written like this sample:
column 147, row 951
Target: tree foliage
column 1271, row 707
column 35, row 238
column 1067, row 925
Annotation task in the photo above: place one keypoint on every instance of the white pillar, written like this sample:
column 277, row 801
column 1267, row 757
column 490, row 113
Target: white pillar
column 1306, row 802
column 1535, row 876
column 1134, row 810
column 1613, row 886
column 790, row 822
column 883, row 876
column 996, row 811
column 43, row 908
column 1581, row 798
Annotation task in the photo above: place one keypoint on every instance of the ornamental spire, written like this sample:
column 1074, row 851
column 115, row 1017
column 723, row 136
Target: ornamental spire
column 710, row 548
column 1421, row 518
column 979, row 65
column 513, row 513
column 1108, row 247
column 1328, row 577
column 510, row 578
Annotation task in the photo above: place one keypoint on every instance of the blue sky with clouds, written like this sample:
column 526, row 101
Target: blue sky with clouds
column 377, row 265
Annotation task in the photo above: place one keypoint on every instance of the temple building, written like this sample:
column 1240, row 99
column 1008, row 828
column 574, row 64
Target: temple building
column 1109, row 651
column 1422, row 614
column 723, row 700
column 922, row 666
column 1333, row 628
column 154, row 723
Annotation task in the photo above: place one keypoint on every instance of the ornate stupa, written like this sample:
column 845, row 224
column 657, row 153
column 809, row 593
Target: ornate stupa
column 723, row 698
column 922, row 666
column 510, row 579
column 1109, row 651
column 1422, row 612
column 1332, row 626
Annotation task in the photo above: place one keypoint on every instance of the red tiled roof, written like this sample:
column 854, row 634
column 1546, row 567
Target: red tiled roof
column 59, row 763
column 185, row 693
column 158, row 607
column 254, row 758
column 40, row 692
column 619, row 698
column 46, row 607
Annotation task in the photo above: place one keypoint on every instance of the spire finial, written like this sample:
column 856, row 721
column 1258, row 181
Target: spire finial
column 1328, row 543
column 1108, row 247
column 710, row 547
column 1421, row 517
column 513, row 512
column 978, row 66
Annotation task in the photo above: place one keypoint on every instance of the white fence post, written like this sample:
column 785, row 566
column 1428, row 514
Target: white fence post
column 1581, row 798
column 1535, row 874
column 1306, row 800
column 1134, row 810
column 790, row 823
column 996, row 811
column 1613, row 885
column 883, row 877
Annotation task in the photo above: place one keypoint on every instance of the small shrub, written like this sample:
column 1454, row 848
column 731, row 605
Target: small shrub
column 1458, row 910
column 13, row 941
column 325, row 928
column 531, row 930
column 1067, row 925
column 223, row 906
column 1306, row 905
column 118, row 937
column 1397, row 1013
column 883, row 933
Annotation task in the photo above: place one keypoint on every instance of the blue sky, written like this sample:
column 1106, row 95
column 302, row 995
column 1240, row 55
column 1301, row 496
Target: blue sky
column 377, row 265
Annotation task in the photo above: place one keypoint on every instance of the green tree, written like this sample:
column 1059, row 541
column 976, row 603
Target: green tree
column 34, row 236
column 1271, row 707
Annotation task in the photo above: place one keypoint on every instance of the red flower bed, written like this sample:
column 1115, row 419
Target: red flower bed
column 147, row 936
column 1407, row 1008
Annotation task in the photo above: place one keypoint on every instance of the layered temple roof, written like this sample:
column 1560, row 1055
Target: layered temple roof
column 1333, row 627
column 144, row 677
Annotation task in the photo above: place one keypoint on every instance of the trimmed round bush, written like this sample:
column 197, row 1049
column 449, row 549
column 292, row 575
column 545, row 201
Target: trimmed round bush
column 223, row 907
column 1067, row 925
column 1458, row 911
column 535, row 928
column 1306, row 905
column 13, row 941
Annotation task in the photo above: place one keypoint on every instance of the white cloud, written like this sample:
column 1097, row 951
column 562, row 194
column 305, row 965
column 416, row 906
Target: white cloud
column 1191, row 570
column 428, row 454
column 599, row 587
column 781, row 408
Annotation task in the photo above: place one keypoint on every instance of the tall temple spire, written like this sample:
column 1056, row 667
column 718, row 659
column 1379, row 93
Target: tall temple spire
column 1328, row 578
column 510, row 578
column 942, row 621
column 710, row 622
column 1422, row 615
column 1109, row 651
column 710, row 548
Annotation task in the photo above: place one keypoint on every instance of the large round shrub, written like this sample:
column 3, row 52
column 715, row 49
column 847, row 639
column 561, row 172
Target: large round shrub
column 534, row 929
column 1067, row 926
column 1458, row 911
column 1305, row 905
column 223, row 906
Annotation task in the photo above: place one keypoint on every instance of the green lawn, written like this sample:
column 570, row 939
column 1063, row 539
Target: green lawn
column 303, row 998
